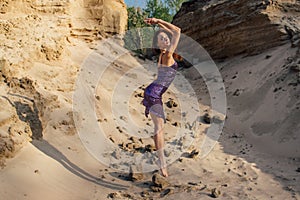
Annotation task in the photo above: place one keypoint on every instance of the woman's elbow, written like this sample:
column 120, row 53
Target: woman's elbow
column 178, row 30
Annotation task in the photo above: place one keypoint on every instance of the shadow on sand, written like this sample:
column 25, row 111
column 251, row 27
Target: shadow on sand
column 27, row 112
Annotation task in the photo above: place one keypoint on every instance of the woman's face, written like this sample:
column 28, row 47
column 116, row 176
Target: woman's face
column 163, row 41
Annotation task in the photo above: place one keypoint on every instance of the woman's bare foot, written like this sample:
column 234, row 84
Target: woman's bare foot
column 163, row 168
column 164, row 172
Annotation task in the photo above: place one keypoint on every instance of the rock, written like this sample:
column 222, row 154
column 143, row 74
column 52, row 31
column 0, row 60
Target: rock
column 268, row 56
column 295, row 68
column 155, row 189
column 116, row 154
column 149, row 148
column 206, row 118
column 159, row 181
column 114, row 195
column 123, row 118
column 175, row 124
column 296, row 43
column 127, row 195
column 134, row 140
column 104, row 17
column 119, row 129
column 171, row 103
column 167, row 192
column 237, row 92
column 112, row 139
column 194, row 153
column 217, row 120
column 145, row 194
column 3, row 66
column 86, row 20
column 215, row 193
column 276, row 89
column 140, row 94
column 228, row 28
column 97, row 97
column 123, row 146
column 130, row 146
column 134, row 174
column 192, row 183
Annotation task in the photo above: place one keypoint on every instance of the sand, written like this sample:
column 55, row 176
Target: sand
column 256, row 157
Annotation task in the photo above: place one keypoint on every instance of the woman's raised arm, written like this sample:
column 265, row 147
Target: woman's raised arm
column 165, row 25
column 172, row 29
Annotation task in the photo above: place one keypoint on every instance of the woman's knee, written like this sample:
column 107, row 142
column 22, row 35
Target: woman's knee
column 158, row 129
column 158, row 123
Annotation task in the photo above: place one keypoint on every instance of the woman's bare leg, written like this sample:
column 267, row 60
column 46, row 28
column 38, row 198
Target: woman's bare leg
column 159, row 142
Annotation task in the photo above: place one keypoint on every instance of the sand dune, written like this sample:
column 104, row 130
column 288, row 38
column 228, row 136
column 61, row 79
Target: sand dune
column 239, row 167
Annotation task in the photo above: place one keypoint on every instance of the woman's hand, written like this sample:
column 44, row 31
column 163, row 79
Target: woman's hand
column 151, row 21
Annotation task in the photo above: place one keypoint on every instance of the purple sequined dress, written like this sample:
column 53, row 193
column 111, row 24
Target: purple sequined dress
column 153, row 92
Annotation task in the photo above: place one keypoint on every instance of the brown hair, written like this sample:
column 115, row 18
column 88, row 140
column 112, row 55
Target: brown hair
column 156, row 50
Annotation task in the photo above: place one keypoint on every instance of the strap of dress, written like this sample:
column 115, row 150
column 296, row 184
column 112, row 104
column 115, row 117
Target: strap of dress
column 160, row 60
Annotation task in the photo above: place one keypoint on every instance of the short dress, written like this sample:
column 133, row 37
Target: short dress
column 153, row 92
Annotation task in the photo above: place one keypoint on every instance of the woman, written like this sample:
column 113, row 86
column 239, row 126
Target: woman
column 165, row 42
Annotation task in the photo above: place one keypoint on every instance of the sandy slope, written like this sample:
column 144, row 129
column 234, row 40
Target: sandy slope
column 252, row 160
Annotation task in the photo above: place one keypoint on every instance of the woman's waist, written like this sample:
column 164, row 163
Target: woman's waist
column 165, row 79
column 155, row 90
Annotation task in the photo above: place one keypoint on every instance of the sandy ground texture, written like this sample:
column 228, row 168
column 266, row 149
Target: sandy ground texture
column 91, row 145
